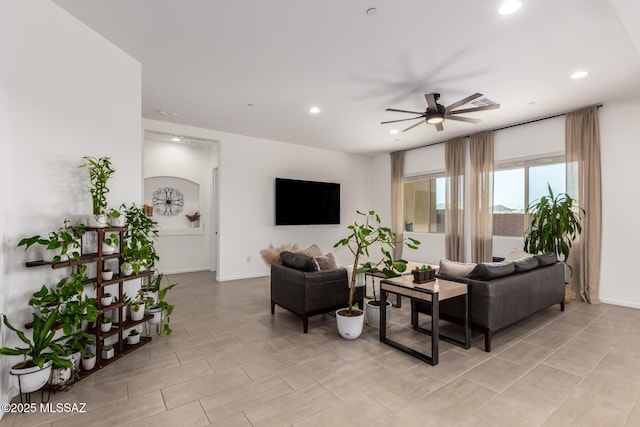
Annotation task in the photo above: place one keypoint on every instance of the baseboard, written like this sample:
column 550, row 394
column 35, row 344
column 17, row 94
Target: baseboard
column 248, row 276
column 620, row 303
column 185, row 270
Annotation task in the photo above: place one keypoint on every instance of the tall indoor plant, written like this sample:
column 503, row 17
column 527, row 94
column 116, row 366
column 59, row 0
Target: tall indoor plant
column 100, row 170
column 364, row 234
column 555, row 224
column 139, row 249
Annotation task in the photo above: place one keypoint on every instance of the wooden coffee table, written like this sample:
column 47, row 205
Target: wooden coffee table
column 432, row 292
column 410, row 267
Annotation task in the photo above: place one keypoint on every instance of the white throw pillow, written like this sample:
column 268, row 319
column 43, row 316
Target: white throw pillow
column 455, row 269
column 517, row 254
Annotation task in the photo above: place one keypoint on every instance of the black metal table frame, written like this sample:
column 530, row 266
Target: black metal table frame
column 435, row 320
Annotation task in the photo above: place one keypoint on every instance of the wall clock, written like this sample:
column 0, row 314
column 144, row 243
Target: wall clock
column 167, row 201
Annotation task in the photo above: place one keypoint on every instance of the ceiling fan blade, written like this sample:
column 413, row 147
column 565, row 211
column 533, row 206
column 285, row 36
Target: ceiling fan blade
column 463, row 101
column 439, row 127
column 404, row 111
column 471, row 110
column 412, row 126
column 463, row 119
column 431, row 101
column 401, row 120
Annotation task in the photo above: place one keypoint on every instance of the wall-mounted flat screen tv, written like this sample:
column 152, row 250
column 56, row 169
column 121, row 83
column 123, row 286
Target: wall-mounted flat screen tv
column 307, row 202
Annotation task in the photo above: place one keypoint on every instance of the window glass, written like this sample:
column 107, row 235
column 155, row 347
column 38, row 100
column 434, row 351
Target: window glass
column 424, row 200
column 542, row 176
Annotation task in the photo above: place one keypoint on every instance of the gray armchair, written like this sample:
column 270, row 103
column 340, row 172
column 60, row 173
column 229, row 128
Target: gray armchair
column 307, row 294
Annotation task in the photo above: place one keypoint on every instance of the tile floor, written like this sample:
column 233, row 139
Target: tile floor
column 230, row 362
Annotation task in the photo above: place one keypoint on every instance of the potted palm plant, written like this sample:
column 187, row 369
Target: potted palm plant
column 41, row 353
column 100, row 170
column 362, row 235
column 555, row 224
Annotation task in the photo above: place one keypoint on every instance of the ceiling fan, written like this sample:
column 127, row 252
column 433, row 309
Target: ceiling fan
column 436, row 113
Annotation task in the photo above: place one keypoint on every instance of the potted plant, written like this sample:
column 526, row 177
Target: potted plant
column 100, row 170
column 423, row 273
column 160, row 308
column 194, row 219
column 60, row 245
column 137, row 305
column 40, row 354
column 110, row 244
column 106, row 299
column 138, row 251
column 363, row 235
column 108, row 352
column 555, row 224
column 88, row 361
column 107, row 274
column 115, row 218
column 134, row 337
column 106, row 324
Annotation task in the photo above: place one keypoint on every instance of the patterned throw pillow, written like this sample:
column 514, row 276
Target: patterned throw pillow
column 326, row 262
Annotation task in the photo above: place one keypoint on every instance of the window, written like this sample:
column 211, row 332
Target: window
column 424, row 198
column 515, row 186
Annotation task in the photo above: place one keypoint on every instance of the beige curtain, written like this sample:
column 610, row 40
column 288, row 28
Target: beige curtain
column 454, row 158
column 582, row 145
column 481, row 155
column 397, row 200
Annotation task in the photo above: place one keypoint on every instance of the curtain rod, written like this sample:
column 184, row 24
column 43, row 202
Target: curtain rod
column 598, row 106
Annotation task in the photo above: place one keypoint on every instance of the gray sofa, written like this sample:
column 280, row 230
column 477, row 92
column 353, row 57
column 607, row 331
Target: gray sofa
column 308, row 293
column 496, row 303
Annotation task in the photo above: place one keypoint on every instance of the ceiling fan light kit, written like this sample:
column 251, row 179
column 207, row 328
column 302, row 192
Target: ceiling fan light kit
column 436, row 114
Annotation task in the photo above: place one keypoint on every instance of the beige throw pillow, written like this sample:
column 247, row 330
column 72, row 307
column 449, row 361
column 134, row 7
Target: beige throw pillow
column 517, row 254
column 455, row 269
column 326, row 262
column 312, row 251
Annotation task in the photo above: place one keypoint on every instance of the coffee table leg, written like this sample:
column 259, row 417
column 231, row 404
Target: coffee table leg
column 435, row 332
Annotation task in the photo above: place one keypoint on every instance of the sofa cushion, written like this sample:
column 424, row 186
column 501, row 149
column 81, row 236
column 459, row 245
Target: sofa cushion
column 312, row 251
column 492, row 270
column 546, row 259
column 517, row 254
column 455, row 269
column 525, row 264
column 298, row 261
column 326, row 262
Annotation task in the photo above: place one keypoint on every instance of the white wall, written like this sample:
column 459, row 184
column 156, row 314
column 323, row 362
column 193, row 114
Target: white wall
column 179, row 250
column 70, row 93
column 620, row 151
column 248, row 168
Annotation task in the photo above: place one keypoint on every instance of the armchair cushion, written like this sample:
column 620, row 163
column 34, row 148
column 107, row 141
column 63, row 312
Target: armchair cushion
column 298, row 261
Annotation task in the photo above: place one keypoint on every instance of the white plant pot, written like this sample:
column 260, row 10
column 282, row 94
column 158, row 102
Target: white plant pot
column 88, row 364
column 108, row 354
column 106, row 301
column 133, row 339
column 157, row 315
column 107, row 275
column 33, row 378
column 99, row 220
column 75, row 358
column 49, row 254
column 105, row 327
column 350, row 327
column 137, row 315
column 108, row 249
column 117, row 222
column 60, row 376
column 128, row 269
column 372, row 314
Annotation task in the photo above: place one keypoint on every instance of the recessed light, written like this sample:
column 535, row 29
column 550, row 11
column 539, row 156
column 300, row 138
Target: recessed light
column 175, row 139
column 393, row 131
column 579, row 74
column 314, row 110
column 509, row 7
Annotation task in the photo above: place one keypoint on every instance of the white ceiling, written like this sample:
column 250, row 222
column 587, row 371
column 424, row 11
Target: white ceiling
column 209, row 60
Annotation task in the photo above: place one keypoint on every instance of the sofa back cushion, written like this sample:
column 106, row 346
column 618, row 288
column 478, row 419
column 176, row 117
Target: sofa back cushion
column 298, row 261
column 525, row 264
column 455, row 269
column 492, row 270
column 546, row 259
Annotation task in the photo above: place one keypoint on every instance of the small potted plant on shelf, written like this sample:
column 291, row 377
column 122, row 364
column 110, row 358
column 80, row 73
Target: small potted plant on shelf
column 60, row 245
column 88, row 361
column 108, row 352
column 115, row 218
column 137, row 305
column 138, row 251
column 160, row 308
column 107, row 274
column 134, row 337
column 110, row 244
column 363, row 235
column 100, row 170
column 40, row 354
column 107, row 322
column 106, row 299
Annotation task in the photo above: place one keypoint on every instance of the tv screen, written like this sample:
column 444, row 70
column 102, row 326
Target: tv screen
column 307, row 202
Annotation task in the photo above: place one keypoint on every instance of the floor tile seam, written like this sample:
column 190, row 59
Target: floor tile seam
column 626, row 422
